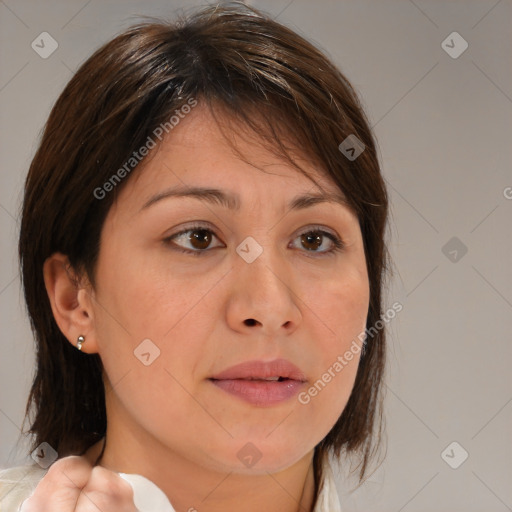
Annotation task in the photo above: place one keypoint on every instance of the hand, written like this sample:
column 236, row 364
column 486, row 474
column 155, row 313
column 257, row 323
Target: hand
column 72, row 484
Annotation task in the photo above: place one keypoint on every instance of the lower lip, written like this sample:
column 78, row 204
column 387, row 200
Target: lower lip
column 260, row 392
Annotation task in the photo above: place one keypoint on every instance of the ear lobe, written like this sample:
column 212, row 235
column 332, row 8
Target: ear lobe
column 70, row 301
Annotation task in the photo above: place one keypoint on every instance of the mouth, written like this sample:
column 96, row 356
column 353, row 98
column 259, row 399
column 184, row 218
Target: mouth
column 260, row 379
column 277, row 370
column 278, row 379
column 261, row 383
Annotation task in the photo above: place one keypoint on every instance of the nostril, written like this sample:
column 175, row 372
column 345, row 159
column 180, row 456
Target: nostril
column 250, row 321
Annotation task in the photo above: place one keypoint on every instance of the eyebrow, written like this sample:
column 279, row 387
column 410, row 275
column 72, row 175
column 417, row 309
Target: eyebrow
column 232, row 201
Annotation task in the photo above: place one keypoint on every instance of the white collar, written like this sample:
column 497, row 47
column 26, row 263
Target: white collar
column 328, row 500
column 148, row 497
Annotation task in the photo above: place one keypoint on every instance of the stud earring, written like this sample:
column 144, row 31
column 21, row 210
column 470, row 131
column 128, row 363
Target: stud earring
column 79, row 342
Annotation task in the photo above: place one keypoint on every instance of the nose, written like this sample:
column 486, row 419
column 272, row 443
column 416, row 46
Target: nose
column 262, row 297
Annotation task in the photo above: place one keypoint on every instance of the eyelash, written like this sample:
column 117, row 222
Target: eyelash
column 338, row 244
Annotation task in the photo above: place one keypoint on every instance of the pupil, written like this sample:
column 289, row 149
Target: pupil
column 200, row 239
column 316, row 240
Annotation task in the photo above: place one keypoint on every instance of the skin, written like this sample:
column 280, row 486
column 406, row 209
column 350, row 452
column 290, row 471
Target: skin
column 167, row 421
column 73, row 484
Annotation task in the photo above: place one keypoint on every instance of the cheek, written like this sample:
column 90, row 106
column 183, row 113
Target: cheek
column 333, row 381
column 143, row 297
column 140, row 312
column 327, row 396
column 342, row 307
column 141, row 300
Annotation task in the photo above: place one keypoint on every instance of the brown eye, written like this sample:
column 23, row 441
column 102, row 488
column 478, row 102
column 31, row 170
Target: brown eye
column 200, row 238
column 318, row 241
column 311, row 241
column 195, row 240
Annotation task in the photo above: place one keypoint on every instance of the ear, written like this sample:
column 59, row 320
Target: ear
column 71, row 301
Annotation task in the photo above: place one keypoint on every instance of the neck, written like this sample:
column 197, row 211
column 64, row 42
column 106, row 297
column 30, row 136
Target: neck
column 191, row 487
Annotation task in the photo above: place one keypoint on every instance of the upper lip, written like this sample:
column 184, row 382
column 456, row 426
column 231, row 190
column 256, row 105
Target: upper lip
column 261, row 370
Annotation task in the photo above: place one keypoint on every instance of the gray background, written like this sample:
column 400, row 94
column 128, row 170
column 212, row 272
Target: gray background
column 443, row 126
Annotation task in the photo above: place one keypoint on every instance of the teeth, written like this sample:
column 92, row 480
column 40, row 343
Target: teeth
column 268, row 378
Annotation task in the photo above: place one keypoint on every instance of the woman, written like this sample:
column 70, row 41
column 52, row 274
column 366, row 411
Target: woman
column 202, row 251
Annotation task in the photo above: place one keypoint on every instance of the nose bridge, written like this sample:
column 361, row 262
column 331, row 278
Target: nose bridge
column 261, row 261
column 263, row 283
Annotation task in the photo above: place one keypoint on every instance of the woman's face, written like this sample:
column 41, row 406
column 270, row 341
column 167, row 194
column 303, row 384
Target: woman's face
column 260, row 282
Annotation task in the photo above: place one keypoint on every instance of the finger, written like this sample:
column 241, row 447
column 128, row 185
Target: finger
column 106, row 490
column 60, row 488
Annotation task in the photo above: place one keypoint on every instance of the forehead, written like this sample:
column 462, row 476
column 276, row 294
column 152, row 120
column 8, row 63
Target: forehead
column 210, row 150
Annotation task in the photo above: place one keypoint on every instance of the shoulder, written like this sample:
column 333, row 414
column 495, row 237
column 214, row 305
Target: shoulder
column 17, row 484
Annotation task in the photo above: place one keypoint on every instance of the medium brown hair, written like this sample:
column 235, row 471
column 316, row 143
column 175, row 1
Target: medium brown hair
column 231, row 57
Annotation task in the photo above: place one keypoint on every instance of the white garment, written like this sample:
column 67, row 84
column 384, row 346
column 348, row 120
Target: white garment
column 18, row 483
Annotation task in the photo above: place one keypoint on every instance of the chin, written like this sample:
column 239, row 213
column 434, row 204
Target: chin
column 261, row 456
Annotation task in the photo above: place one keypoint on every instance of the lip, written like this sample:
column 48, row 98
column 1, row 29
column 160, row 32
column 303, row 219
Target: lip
column 245, row 381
